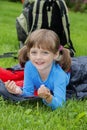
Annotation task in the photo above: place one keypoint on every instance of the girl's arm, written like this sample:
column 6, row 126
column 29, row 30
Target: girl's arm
column 59, row 92
column 28, row 87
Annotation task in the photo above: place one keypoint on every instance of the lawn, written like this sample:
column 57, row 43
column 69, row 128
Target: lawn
column 33, row 115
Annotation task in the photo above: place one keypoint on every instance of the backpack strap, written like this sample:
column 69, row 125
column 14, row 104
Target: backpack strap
column 56, row 20
column 46, row 14
column 64, row 15
column 40, row 12
column 9, row 55
column 35, row 14
column 43, row 18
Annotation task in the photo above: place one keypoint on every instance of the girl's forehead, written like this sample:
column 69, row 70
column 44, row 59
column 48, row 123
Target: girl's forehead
column 38, row 48
column 48, row 46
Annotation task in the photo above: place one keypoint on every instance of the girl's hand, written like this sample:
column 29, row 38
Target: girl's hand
column 12, row 87
column 44, row 93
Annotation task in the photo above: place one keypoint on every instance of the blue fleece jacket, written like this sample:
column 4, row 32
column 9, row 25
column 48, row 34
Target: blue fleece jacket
column 56, row 81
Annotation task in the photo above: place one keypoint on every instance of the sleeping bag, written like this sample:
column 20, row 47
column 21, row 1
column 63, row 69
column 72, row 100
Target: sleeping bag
column 77, row 87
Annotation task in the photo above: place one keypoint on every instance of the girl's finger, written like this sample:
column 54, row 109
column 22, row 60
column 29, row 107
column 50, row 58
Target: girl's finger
column 12, row 83
column 7, row 82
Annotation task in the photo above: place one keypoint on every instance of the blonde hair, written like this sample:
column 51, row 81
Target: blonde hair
column 48, row 40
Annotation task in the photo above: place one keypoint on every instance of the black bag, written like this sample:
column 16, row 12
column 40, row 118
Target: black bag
column 77, row 87
column 49, row 14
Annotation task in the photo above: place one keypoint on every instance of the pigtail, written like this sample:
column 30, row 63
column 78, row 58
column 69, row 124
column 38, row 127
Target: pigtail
column 22, row 56
column 64, row 58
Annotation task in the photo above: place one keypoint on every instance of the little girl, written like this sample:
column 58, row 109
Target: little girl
column 46, row 69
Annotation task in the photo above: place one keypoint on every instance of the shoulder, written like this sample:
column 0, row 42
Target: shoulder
column 29, row 66
column 29, row 63
column 57, row 68
column 58, row 71
column 30, row 70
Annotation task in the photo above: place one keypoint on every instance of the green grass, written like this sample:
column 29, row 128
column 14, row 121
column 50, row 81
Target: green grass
column 33, row 115
column 78, row 30
column 8, row 35
column 36, row 116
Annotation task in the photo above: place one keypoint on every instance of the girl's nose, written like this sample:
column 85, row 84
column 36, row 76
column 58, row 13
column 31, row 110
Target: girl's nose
column 39, row 56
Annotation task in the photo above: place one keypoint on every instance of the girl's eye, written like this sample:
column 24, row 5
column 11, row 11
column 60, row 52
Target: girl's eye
column 45, row 52
column 33, row 52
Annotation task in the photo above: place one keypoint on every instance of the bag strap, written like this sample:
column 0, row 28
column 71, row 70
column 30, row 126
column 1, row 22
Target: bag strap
column 36, row 13
column 46, row 15
column 9, row 55
column 56, row 20
column 64, row 14
column 41, row 9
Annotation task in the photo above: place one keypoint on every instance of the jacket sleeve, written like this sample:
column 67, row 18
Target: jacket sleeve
column 28, row 87
column 59, row 92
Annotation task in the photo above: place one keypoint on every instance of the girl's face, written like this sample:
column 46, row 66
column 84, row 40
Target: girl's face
column 42, row 59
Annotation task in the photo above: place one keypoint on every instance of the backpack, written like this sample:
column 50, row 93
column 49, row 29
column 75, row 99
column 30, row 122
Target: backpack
column 48, row 14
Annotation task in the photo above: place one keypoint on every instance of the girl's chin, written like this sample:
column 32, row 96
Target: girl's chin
column 39, row 67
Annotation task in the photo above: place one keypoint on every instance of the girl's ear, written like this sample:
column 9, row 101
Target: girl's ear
column 56, row 56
